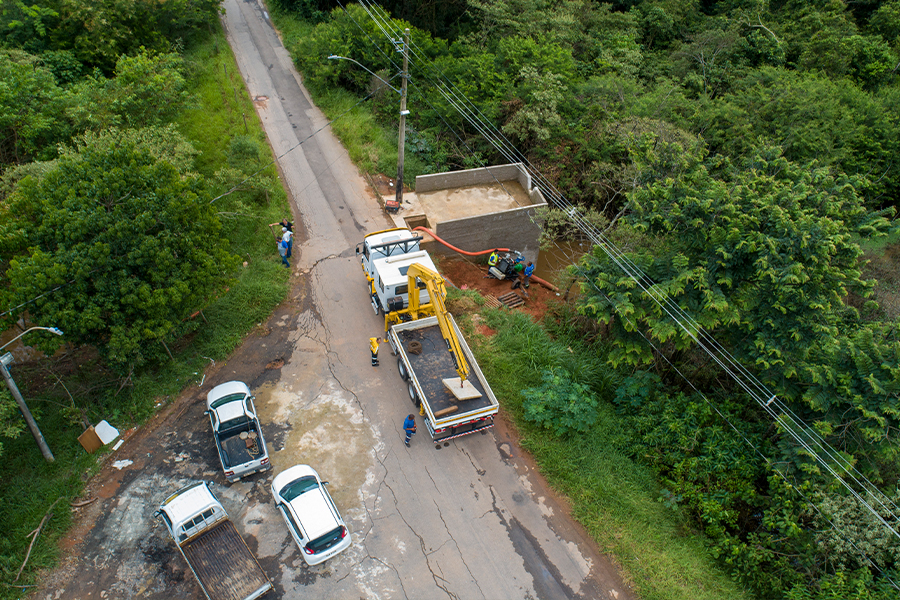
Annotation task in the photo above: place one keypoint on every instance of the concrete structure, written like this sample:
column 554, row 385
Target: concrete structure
column 477, row 209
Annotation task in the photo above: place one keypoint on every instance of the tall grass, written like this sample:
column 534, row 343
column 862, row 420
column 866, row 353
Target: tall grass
column 617, row 500
column 28, row 484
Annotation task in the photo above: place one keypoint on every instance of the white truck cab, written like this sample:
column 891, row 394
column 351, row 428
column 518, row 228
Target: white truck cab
column 385, row 257
column 191, row 510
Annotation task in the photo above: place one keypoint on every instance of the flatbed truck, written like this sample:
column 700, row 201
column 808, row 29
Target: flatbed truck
column 404, row 285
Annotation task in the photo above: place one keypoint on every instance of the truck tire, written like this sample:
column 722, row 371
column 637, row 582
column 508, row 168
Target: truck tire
column 401, row 366
column 413, row 395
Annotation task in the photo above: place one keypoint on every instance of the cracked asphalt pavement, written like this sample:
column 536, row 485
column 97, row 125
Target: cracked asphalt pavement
column 471, row 520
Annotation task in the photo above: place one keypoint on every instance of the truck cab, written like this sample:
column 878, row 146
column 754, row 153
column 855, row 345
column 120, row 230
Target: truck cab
column 386, row 257
column 190, row 511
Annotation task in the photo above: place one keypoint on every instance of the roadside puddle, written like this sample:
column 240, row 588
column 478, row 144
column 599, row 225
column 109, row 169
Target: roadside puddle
column 327, row 432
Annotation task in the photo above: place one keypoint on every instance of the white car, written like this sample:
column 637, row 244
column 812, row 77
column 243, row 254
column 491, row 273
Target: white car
column 310, row 514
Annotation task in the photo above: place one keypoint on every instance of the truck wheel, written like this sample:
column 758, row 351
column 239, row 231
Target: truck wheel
column 413, row 395
column 402, row 368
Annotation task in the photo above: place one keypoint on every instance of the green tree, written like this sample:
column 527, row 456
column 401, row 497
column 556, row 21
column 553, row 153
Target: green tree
column 762, row 257
column 100, row 31
column 11, row 422
column 26, row 26
column 534, row 118
column 811, row 117
column 32, row 109
column 116, row 247
column 561, row 404
column 148, row 89
column 886, row 22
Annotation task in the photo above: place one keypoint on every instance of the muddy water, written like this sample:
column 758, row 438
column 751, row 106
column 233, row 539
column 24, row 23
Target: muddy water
column 551, row 264
column 321, row 432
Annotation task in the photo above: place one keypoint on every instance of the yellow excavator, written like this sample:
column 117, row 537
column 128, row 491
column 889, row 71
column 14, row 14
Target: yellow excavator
column 434, row 283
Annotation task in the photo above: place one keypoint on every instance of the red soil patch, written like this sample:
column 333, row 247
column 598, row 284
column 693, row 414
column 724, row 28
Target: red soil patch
column 486, row 331
column 471, row 274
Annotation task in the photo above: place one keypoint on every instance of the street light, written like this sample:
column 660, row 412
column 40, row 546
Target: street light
column 7, row 359
column 401, row 142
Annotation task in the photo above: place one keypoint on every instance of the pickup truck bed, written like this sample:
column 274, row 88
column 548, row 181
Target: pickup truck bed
column 433, row 365
column 234, row 449
column 224, row 564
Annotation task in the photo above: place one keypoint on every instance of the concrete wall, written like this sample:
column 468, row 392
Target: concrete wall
column 483, row 176
column 517, row 229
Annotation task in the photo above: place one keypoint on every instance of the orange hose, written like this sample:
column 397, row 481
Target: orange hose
column 546, row 284
column 454, row 248
column 538, row 280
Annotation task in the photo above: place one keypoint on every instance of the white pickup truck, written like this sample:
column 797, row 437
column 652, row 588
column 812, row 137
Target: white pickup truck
column 213, row 549
column 239, row 438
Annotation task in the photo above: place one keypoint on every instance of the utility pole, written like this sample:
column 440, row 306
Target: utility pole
column 32, row 424
column 401, row 144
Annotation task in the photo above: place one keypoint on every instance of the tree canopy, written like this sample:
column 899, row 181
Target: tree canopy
column 114, row 246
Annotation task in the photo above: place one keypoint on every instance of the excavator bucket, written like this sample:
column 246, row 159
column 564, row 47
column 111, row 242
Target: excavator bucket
column 464, row 391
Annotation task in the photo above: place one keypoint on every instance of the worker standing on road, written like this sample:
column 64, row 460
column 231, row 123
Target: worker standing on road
column 373, row 346
column 284, row 223
column 409, row 426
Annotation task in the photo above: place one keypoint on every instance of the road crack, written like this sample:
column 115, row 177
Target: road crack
column 458, row 550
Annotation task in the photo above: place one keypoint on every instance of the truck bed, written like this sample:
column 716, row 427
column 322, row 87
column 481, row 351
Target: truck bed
column 434, row 364
column 234, row 449
column 224, row 564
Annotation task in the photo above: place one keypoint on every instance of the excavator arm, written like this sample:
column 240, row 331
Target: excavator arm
column 434, row 283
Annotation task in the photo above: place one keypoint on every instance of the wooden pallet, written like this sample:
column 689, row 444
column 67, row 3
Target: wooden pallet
column 492, row 301
column 511, row 300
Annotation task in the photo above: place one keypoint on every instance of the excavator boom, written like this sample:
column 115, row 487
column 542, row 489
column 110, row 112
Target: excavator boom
column 434, row 283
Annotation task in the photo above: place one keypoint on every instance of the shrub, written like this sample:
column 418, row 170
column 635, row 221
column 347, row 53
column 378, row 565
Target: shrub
column 561, row 404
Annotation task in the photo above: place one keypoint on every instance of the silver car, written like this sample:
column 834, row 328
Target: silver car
column 310, row 514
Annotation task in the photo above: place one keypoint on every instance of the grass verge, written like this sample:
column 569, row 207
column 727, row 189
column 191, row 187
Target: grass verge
column 62, row 391
column 616, row 499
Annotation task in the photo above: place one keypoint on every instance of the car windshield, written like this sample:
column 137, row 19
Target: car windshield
column 324, row 542
column 226, row 400
column 298, row 486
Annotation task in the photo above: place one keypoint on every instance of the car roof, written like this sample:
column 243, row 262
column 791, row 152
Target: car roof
column 393, row 269
column 292, row 474
column 314, row 512
column 226, row 389
column 391, row 235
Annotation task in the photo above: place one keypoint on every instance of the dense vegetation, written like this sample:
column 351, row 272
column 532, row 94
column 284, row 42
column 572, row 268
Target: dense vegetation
column 131, row 190
column 739, row 152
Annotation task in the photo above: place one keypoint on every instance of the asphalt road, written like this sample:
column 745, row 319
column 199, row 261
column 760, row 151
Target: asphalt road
column 471, row 520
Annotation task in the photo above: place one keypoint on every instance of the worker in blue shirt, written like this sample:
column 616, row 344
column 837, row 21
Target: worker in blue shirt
column 409, row 426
